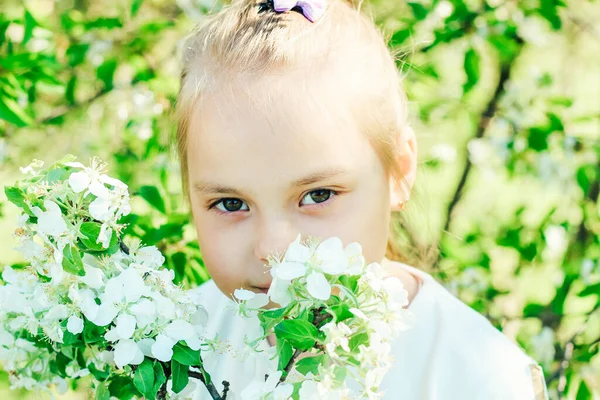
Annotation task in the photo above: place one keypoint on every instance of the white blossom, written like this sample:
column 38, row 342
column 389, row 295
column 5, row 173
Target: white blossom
column 51, row 221
column 75, row 324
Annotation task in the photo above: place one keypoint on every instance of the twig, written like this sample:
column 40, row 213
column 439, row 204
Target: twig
column 289, row 365
column 225, row 389
column 486, row 116
column 214, row 393
column 567, row 355
column 123, row 247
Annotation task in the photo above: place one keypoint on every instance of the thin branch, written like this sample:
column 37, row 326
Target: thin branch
column 560, row 373
column 212, row 390
column 289, row 365
column 484, row 121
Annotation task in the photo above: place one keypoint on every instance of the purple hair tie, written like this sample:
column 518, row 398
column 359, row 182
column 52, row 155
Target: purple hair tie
column 312, row 9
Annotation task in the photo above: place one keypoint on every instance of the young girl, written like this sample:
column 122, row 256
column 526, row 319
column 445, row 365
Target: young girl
column 291, row 120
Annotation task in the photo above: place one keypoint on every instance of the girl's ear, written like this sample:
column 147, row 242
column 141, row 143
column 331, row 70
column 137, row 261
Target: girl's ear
column 407, row 164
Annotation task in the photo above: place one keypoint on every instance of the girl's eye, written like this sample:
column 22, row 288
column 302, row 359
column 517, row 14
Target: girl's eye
column 230, row 205
column 319, row 196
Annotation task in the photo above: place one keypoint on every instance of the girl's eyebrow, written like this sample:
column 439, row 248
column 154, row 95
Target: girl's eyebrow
column 319, row 176
column 215, row 188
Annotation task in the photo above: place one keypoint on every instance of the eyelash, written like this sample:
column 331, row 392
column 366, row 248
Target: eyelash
column 317, row 205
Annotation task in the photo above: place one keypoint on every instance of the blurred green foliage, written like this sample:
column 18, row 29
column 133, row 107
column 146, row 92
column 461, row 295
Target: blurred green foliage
column 505, row 97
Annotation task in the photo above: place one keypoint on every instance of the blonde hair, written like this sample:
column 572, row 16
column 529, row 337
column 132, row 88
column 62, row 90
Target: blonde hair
column 248, row 39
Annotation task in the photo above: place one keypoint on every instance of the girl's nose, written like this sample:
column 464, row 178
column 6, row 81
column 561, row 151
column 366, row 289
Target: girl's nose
column 273, row 236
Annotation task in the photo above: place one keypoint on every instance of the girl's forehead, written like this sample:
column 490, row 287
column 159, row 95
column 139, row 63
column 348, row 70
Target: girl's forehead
column 274, row 133
column 263, row 115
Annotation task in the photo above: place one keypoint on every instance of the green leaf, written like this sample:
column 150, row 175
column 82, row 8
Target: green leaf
column 90, row 232
column 102, row 392
column 68, row 337
column 351, row 282
column 144, row 379
column 310, row 364
column 270, row 318
column 339, row 374
column 153, row 197
column 135, row 6
column 100, row 375
column 285, row 352
column 562, row 101
column 179, row 262
column 583, row 393
column 179, row 374
column 548, row 10
column 399, row 37
column 106, row 72
column 29, row 25
column 102, row 22
column 471, row 66
column 173, row 232
column 358, row 339
column 587, row 174
column 341, row 312
column 68, row 351
column 507, row 47
column 61, row 364
column 3, row 27
column 159, row 376
column 63, row 161
column 76, row 53
column 70, row 90
column 538, row 138
column 186, row 356
column 17, row 197
column 57, row 175
column 590, row 290
column 418, row 10
column 13, row 113
column 533, row 310
column 122, row 388
column 300, row 334
column 93, row 333
column 72, row 262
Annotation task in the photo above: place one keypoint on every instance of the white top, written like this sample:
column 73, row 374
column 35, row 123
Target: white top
column 451, row 352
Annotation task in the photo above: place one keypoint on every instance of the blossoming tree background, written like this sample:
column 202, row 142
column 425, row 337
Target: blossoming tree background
column 505, row 97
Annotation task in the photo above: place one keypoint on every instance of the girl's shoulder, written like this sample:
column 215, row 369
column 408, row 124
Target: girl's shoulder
column 453, row 348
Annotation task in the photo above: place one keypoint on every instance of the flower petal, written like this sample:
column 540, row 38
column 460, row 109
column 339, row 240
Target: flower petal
column 79, row 181
column 106, row 313
column 297, row 252
column 332, row 256
column 125, row 325
column 179, row 330
column 243, row 294
column 194, row 342
column 309, row 390
column 145, row 346
column 125, row 352
column 92, row 277
column 258, row 301
column 317, row 286
column 75, row 324
column 100, row 209
column 136, row 287
column 279, row 293
column 289, row 270
column 162, row 349
column 272, row 381
column 51, row 221
column 105, row 235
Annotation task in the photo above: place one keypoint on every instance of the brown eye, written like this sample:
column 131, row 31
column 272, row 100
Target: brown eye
column 230, row 205
column 319, row 196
